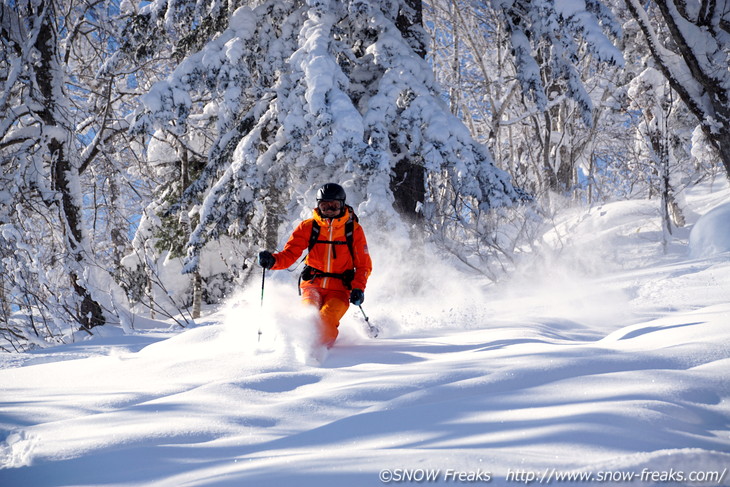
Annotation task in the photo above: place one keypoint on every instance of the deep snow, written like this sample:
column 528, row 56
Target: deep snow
column 606, row 357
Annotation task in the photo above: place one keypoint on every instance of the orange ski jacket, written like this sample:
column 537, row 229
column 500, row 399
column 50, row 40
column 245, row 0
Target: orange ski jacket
column 326, row 257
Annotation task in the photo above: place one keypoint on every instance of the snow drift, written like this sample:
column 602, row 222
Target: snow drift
column 710, row 235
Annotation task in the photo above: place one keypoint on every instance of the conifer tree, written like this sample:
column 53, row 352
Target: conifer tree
column 307, row 92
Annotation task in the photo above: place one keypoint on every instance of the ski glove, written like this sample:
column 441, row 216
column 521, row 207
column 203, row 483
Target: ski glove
column 266, row 260
column 357, row 296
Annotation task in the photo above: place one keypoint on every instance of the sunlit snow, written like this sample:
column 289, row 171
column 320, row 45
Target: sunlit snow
column 607, row 358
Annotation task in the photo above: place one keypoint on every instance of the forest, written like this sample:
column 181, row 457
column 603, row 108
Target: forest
column 149, row 150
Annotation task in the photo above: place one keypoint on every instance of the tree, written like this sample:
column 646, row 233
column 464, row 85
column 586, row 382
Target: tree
column 533, row 79
column 548, row 40
column 188, row 146
column 658, row 145
column 408, row 183
column 41, row 122
column 321, row 91
column 58, row 103
column 692, row 53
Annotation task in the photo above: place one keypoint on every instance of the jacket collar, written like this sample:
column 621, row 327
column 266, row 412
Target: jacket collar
column 335, row 222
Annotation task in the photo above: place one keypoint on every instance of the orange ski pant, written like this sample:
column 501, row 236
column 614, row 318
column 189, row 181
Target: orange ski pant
column 332, row 305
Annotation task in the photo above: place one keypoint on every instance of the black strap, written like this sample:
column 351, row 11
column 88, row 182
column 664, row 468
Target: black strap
column 314, row 235
column 349, row 230
column 310, row 273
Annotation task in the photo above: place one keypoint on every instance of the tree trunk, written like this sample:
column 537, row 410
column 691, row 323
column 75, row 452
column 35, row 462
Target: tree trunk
column 454, row 89
column 550, row 176
column 197, row 280
column 408, row 184
column 63, row 174
column 663, row 157
column 408, row 181
column 149, row 292
column 409, row 17
column 89, row 313
column 197, row 294
column 4, row 304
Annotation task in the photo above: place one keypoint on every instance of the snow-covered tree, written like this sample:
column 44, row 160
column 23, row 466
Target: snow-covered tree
column 59, row 117
column 39, row 159
column 655, row 103
column 549, row 39
column 534, row 79
column 178, row 151
column 690, row 43
column 549, row 148
column 307, row 92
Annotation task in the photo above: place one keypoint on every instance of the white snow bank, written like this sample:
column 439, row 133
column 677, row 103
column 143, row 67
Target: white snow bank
column 710, row 236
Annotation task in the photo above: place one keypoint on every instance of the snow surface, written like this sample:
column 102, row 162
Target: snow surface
column 705, row 240
column 606, row 358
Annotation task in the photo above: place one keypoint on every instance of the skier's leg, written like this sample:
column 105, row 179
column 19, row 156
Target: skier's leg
column 333, row 309
column 311, row 296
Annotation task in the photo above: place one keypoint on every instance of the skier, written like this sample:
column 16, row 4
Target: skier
column 338, row 264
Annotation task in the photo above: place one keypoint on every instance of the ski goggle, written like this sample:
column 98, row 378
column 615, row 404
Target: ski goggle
column 329, row 205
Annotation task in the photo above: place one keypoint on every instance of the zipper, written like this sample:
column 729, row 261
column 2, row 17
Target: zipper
column 328, row 264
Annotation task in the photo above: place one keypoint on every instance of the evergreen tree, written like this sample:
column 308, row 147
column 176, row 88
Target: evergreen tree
column 308, row 92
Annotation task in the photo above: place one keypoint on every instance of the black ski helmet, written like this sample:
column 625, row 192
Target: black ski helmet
column 331, row 192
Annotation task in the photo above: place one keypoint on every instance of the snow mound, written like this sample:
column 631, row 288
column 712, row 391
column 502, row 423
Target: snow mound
column 710, row 236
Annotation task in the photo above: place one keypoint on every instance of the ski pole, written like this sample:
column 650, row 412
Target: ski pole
column 374, row 331
column 263, row 281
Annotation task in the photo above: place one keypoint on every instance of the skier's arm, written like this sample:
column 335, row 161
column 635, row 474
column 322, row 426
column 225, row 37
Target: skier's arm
column 363, row 263
column 297, row 243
